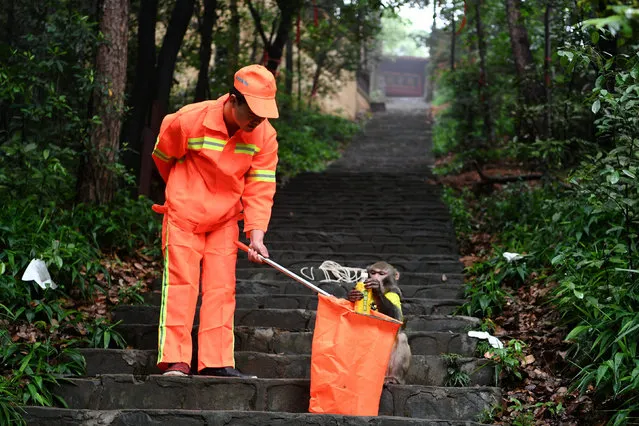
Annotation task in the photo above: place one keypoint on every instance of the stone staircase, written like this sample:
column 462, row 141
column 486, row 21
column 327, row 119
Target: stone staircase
column 372, row 204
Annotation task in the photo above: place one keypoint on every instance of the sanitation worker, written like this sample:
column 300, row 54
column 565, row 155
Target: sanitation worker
column 218, row 160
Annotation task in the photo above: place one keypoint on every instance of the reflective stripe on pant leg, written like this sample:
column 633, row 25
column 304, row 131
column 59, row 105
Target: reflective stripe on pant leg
column 215, row 336
column 180, row 287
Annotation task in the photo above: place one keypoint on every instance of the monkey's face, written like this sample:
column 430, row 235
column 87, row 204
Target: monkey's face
column 382, row 276
column 385, row 274
column 379, row 274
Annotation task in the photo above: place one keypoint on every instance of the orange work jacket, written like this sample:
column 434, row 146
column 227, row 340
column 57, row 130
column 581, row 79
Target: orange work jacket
column 211, row 178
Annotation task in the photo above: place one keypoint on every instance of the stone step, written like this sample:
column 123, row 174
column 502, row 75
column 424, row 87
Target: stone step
column 381, row 233
column 428, row 287
column 285, row 204
column 424, row 370
column 328, row 221
column 437, row 264
column 390, row 187
column 361, row 210
column 393, row 195
column 280, row 255
column 410, row 306
column 357, row 177
column 365, row 183
column 434, row 230
column 259, row 280
column 357, row 215
column 272, row 340
column 327, row 199
column 339, row 190
column 124, row 391
column 291, row 319
column 48, row 416
column 359, row 182
column 371, row 236
column 435, row 247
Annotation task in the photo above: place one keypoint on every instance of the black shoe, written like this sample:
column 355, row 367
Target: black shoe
column 225, row 372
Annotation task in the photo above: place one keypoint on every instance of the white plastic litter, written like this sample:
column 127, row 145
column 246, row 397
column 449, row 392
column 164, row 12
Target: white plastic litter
column 492, row 340
column 512, row 256
column 37, row 271
column 335, row 273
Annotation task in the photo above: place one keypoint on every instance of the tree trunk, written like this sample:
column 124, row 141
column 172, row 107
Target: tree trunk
column 141, row 95
column 254, row 48
column 288, row 83
column 234, row 42
column 180, row 18
column 608, row 46
column 316, row 77
column 483, row 81
column 97, row 179
column 522, row 56
column 430, row 94
column 288, row 10
column 202, row 88
column 453, row 35
column 178, row 23
column 547, row 59
column 299, row 64
column 9, row 23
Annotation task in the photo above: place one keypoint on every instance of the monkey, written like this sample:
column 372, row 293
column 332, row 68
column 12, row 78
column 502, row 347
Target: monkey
column 382, row 280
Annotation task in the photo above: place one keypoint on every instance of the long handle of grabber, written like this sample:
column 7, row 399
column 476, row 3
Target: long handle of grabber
column 283, row 270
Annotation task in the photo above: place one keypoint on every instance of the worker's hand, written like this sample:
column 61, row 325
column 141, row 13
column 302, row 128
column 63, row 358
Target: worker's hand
column 355, row 295
column 257, row 247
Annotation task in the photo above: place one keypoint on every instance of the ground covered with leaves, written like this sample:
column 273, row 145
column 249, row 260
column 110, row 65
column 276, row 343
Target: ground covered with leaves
column 537, row 377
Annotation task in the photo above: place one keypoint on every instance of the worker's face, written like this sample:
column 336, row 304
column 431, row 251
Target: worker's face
column 244, row 117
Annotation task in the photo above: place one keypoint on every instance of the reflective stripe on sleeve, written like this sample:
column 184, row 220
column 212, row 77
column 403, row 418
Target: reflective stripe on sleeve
column 261, row 176
column 162, row 156
column 246, row 148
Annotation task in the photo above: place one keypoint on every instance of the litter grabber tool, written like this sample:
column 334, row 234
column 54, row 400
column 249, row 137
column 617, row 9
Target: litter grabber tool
column 283, row 270
column 349, row 353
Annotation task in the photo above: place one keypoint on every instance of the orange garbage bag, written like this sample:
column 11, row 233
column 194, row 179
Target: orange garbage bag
column 349, row 358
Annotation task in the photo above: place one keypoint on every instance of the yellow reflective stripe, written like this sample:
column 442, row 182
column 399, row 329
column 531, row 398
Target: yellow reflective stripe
column 395, row 300
column 165, row 290
column 246, row 148
column 261, row 175
column 206, row 142
column 162, row 156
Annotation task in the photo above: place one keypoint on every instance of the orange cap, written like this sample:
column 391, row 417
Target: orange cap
column 257, row 84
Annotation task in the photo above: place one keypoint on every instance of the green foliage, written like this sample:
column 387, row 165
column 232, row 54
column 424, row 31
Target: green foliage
column 308, row 140
column 455, row 377
column 523, row 414
column 45, row 85
column 101, row 333
column 506, row 360
column 579, row 228
column 30, row 371
column 459, row 212
column 69, row 240
column 397, row 40
column 486, row 289
column 126, row 225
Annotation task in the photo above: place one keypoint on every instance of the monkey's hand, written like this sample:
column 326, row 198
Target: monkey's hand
column 355, row 295
column 372, row 284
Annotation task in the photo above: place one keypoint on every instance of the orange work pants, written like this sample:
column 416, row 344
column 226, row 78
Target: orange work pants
column 183, row 252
